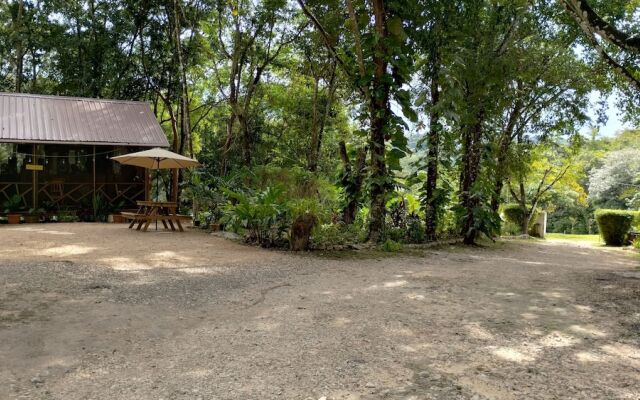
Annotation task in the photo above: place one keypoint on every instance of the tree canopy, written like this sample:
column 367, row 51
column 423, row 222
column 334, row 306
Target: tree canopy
column 388, row 115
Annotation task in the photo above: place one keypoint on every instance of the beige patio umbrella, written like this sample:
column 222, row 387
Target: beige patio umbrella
column 156, row 158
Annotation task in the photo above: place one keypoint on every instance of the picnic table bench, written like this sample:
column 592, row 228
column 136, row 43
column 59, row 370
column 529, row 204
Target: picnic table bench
column 149, row 211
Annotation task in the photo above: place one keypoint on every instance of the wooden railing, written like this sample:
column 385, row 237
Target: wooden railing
column 73, row 193
column 10, row 189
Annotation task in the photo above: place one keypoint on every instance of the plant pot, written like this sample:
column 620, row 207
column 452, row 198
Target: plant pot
column 214, row 227
column 31, row 219
column 116, row 218
column 13, row 218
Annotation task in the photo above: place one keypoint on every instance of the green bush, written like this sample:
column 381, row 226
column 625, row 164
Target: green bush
column 395, row 234
column 415, row 230
column 329, row 235
column 614, row 225
column 300, row 207
column 391, row 246
column 515, row 214
column 13, row 204
column 261, row 217
column 68, row 216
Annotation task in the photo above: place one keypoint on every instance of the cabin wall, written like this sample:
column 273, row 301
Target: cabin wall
column 68, row 178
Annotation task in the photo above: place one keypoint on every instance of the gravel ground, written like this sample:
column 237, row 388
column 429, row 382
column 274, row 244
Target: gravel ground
column 93, row 311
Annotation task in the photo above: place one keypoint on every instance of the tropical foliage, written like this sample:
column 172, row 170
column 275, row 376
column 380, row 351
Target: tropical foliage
column 403, row 121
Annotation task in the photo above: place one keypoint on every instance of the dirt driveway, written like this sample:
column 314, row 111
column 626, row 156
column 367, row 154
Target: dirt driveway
column 99, row 312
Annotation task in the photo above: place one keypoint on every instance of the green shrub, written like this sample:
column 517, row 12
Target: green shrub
column 329, row 235
column 614, row 225
column 395, row 234
column 515, row 214
column 261, row 217
column 391, row 246
column 102, row 208
column 13, row 204
column 68, row 216
column 415, row 230
column 636, row 244
column 300, row 207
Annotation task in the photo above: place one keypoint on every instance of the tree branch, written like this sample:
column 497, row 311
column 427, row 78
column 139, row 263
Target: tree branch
column 579, row 9
column 589, row 19
column 325, row 37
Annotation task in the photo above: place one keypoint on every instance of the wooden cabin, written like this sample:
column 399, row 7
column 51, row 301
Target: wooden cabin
column 55, row 151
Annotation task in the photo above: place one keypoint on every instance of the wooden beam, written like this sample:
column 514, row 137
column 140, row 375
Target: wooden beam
column 146, row 185
column 34, row 180
column 94, row 180
column 174, row 186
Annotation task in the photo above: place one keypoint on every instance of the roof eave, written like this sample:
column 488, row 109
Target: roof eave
column 162, row 145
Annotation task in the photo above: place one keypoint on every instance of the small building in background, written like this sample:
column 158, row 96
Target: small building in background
column 55, row 151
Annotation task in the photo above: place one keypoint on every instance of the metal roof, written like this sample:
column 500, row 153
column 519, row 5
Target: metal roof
column 30, row 118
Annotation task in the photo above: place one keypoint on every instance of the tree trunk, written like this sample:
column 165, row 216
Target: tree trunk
column 234, row 82
column 34, row 72
column 352, row 176
column 317, row 145
column 523, row 204
column 231, row 121
column 17, row 30
column 301, row 229
column 315, row 129
column 470, row 169
column 433, row 142
column 526, row 217
column 500, row 175
column 247, row 140
column 525, row 222
column 379, row 109
column 501, row 161
column 185, row 113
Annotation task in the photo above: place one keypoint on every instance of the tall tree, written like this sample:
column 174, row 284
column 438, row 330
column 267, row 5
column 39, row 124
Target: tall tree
column 542, row 166
column 322, row 69
column 381, row 57
column 482, row 77
column 247, row 38
column 431, row 33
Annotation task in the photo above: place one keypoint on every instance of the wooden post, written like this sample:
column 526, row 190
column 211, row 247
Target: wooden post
column 34, row 180
column 94, row 180
column 174, row 186
column 146, row 185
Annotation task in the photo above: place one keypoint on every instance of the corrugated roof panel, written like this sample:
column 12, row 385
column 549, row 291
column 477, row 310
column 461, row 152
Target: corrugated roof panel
column 39, row 118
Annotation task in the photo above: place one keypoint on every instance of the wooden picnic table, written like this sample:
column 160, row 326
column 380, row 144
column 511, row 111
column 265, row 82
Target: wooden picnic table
column 149, row 211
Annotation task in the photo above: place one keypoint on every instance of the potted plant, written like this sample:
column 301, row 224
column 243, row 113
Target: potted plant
column 33, row 217
column 214, row 219
column 12, row 207
column 49, row 211
column 114, row 215
column 116, row 218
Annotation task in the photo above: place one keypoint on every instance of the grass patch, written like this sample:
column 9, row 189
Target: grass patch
column 571, row 237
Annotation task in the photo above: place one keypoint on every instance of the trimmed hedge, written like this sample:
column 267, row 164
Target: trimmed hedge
column 515, row 214
column 614, row 225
